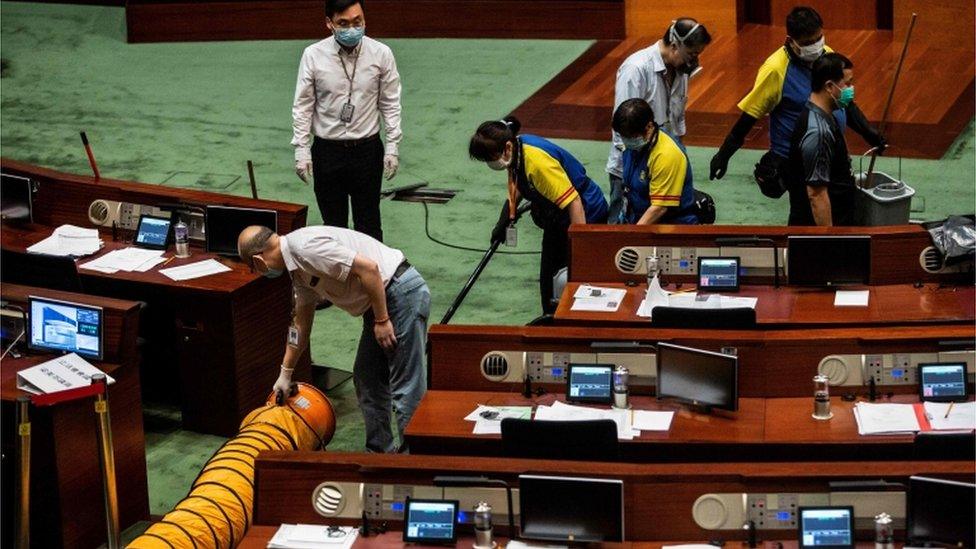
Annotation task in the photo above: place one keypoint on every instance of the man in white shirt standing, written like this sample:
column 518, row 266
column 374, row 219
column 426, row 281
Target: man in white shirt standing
column 659, row 75
column 346, row 83
column 363, row 277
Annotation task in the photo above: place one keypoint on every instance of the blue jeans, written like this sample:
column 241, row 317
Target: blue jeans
column 394, row 381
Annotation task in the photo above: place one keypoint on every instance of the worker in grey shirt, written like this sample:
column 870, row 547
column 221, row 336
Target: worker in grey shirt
column 659, row 75
column 364, row 277
column 346, row 84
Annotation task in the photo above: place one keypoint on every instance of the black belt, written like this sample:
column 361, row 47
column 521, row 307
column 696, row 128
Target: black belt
column 348, row 143
column 401, row 268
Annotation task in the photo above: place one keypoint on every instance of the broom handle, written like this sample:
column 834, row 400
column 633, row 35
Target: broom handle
column 891, row 95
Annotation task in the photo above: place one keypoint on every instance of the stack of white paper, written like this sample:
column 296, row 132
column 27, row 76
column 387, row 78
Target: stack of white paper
column 560, row 411
column 885, row 418
column 962, row 416
column 195, row 270
column 69, row 240
column 658, row 297
column 126, row 259
column 851, row 298
column 65, row 372
column 488, row 419
column 311, row 536
column 595, row 298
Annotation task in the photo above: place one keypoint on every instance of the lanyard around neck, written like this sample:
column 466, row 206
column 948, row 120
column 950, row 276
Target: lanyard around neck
column 355, row 64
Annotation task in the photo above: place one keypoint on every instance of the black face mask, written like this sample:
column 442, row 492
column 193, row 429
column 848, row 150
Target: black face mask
column 689, row 66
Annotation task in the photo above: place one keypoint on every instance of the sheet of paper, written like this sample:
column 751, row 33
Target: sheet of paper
column 493, row 425
column 885, row 418
column 586, row 291
column 596, row 304
column 849, row 298
column 962, row 417
column 647, row 420
column 195, row 270
column 125, row 259
column 64, row 372
column 730, row 302
column 560, row 411
column 68, row 240
column 655, row 296
column 294, row 536
column 148, row 265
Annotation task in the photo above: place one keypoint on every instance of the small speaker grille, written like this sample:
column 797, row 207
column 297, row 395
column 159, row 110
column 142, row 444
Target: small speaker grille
column 628, row 260
column 98, row 212
column 494, row 366
column 931, row 260
column 328, row 499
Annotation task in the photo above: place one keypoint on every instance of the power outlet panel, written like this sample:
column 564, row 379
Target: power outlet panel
column 886, row 369
column 779, row 511
column 388, row 501
column 546, row 367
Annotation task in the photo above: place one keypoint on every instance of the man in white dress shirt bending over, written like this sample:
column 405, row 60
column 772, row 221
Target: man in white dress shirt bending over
column 346, row 83
column 366, row 278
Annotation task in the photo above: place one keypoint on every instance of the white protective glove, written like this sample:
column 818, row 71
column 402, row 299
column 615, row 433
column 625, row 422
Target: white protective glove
column 283, row 383
column 391, row 163
column 303, row 163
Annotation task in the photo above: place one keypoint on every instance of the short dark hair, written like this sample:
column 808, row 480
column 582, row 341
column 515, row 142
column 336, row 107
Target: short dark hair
column 488, row 141
column 829, row 67
column 803, row 21
column 333, row 7
column 682, row 28
column 632, row 117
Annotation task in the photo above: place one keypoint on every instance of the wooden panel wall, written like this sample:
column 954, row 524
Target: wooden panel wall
column 168, row 21
column 837, row 14
column 947, row 24
column 652, row 17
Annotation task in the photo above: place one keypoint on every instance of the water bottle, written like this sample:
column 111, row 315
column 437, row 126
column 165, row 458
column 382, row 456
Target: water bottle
column 182, row 234
column 482, row 526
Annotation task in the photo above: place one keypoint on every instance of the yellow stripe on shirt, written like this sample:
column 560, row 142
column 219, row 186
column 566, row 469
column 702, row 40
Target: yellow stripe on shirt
column 548, row 176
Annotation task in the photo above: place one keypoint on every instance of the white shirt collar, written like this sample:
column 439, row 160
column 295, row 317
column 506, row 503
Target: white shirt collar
column 290, row 263
column 657, row 61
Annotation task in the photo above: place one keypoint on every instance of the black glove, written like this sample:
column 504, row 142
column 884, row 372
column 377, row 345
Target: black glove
column 498, row 233
column 859, row 123
column 737, row 136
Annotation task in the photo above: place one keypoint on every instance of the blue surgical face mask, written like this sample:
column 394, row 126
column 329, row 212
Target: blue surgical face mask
column 634, row 143
column 272, row 273
column 350, row 37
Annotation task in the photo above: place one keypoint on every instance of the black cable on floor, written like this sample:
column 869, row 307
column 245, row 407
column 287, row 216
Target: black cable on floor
column 458, row 247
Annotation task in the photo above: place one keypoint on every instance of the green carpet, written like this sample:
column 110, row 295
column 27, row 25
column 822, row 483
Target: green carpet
column 192, row 114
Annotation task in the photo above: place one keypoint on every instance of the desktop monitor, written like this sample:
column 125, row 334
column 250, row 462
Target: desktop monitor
column 828, row 260
column 718, row 274
column 569, row 509
column 942, row 381
column 592, row 383
column 941, row 511
column 62, row 326
column 430, row 521
column 826, row 527
column 701, row 378
column 153, row 232
column 16, row 199
column 224, row 224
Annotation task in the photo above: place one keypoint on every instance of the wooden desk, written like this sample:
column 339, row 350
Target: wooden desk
column 215, row 340
column 794, row 307
column 665, row 492
column 67, row 508
column 773, row 429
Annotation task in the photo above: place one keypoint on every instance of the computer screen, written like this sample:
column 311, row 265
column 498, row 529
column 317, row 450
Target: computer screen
column 828, row 260
column 826, row 527
column 589, row 383
column 941, row 511
column 696, row 376
column 718, row 273
column 16, row 198
column 63, row 326
column 432, row 521
column 571, row 509
column 153, row 232
column 942, row 381
column 225, row 223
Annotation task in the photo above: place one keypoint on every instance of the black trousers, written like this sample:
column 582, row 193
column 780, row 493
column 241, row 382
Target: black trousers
column 555, row 256
column 345, row 173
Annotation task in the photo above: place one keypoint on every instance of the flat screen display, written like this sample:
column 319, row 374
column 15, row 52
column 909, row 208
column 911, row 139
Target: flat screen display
column 16, row 198
column 828, row 260
column 62, row 326
column 716, row 274
column 571, row 509
column 942, row 382
column 589, row 383
column 941, row 511
column 153, row 232
column 699, row 377
column 430, row 521
column 828, row 527
column 225, row 223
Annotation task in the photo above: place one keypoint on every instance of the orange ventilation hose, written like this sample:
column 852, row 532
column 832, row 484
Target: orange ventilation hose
column 218, row 510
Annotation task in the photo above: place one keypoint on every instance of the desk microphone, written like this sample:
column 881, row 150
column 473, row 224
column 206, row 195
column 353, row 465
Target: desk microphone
column 872, row 389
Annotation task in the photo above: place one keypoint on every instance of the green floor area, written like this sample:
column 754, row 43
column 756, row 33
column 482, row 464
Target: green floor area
column 192, row 114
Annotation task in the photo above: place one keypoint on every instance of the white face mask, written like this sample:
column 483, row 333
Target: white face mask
column 500, row 164
column 812, row 52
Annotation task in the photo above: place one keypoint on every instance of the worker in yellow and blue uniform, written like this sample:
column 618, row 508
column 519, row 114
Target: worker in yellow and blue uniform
column 657, row 176
column 552, row 180
column 781, row 91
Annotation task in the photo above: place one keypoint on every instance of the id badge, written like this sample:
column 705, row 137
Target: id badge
column 293, row 336
column 511, row 236
column 346, row 115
